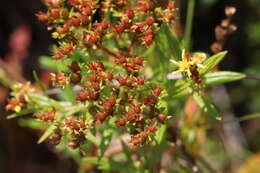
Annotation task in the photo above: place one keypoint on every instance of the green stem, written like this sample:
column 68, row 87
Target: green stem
column 189, row 22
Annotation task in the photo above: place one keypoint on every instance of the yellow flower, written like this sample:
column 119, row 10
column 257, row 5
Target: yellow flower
column 22, row 90
column 188, row 62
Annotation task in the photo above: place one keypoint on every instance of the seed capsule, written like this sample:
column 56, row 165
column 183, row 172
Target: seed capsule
column 101, row 116
column 75, row 66
column 75, row 78
column 161, row 117
column 73, row 144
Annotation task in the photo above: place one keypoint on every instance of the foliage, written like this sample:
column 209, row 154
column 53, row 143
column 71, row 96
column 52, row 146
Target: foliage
column 121, row 77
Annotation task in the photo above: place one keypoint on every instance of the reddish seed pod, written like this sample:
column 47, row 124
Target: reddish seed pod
column 73, row 144
column 66, row 49
column 140, row 81
column 59, row 30
column 74, row 21
column 148, row 39
column 82, row 96
column 121, row 60
column 110, row 101
column 130, row 117
column 57, row 56
column 66, row 29
column 75, row 66
column 171, row 5
column 73, row 2
column 130, row 14
column 161, row 117
column 94, row 95
column 96, row 86
column 103, row 25
column 121, row 122
column 93, row 78
column 101, row 116
column 99, row 32
column 141, row 118
column 109, row 76
column 137, row 109
column 87, row 10
column 149, row 21
column 42, row 17
column 119, row 28
column 55, row 14
column 52, row 3
column 152, row 129
column 55, row 138
column 75, row 78
column 121, row 3
column 139, row 61
column 84, row 19
column 157, row 91
column 122, row 81
column 152, row 100
column 91, row 39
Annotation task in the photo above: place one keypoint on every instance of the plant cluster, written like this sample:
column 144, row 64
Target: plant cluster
column 125, row 94
column 112, row 75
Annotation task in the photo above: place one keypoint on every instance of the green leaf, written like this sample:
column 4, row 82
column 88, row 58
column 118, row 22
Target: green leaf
column 39, row 82
column 105, row 141
column 105, row 164
column 212, row 62
column 206, row 106
column 159, row 136
column 69, row 94
column 49, row 63
column 168, row 43
column 80, row 56
column 249, row 117
column 222, row 77
column 23, row 112
column 179, row 88
column 31, row 123
column 47, row 133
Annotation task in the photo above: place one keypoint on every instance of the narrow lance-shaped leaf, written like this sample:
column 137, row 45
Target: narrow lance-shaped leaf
column 105, row 141
column 159, row 136
column 222, row 77
column 47, row 133
column 23, row 112
column 51, row 64
column 39, row 82
column 212, row 62
column 206, row 106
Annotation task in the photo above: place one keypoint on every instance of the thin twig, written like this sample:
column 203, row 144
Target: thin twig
column 104, row 49
column 253, row 76
column 189, row 23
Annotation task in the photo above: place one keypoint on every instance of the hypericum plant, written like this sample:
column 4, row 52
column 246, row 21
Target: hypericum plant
column 118, row 90
column 110, row 67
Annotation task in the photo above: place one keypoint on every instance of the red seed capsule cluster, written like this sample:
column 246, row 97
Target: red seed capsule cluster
column 110, row 80
column 46, row 115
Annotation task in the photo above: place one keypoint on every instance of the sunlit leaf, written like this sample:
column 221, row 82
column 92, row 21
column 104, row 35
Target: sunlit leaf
column 47, row 133
column 222, row 77
column 21, row 113
column 160, row 134
column 31, row 123
column 212, row 62
column 105, row 141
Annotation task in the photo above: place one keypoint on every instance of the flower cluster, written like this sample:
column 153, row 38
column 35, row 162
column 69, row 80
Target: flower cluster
column 20, row 96
column 189, row 65
column 121, row 91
